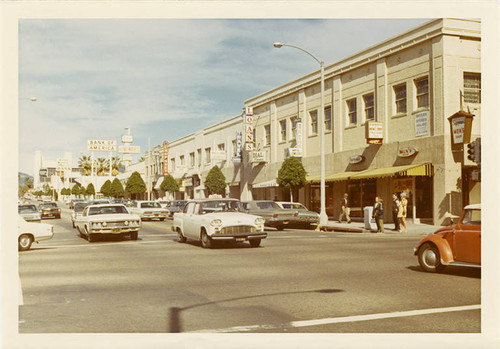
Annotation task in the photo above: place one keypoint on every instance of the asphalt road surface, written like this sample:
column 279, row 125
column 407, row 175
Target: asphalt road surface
column 296, row 281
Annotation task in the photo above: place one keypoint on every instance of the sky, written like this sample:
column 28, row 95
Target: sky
column 163, row 78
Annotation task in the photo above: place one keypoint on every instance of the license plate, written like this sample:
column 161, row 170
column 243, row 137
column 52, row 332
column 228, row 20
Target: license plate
column 116, row 230
column 240, row 239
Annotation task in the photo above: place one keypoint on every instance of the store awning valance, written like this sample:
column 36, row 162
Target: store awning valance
column 267, row 184
column 406, row 170
column 341, row 176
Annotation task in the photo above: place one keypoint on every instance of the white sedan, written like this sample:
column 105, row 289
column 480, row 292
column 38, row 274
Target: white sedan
column 149, row 210
column 107, row 219
column 209, row 220
column 32, row 232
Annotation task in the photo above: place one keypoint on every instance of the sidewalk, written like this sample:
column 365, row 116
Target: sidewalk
column 359, row 227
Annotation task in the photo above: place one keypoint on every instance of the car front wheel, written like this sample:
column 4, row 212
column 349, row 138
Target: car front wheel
column 429, row 259
column 25, row 242
column 134, row 235
column 254, row 242
column 206, row 241
column 180, row 237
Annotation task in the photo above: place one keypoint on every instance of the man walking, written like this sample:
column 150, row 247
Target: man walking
column 346, row 210
column 378, row 214
column 395, row 209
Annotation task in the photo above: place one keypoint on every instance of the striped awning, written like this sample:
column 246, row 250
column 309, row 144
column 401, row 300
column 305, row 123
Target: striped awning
column 406, row 170
column 340, row 176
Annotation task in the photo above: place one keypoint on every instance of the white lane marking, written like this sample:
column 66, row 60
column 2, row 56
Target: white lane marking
column 329, row 321
column 130, row 243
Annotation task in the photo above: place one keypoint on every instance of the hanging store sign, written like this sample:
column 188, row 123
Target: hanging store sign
column 295, row 152
column 422, row 124
column 356, row 159
column 165, row 158
column 259, row 156
column 239, row 142
column 127, row 138
column 407, row 152
column 461, row 125
column 374, row 132
column 101, row 145
column 129, row 149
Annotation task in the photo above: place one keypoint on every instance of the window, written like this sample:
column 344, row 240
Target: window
column 283, row 130
column 182, row 160
column 369, row 107
column 191, row 159
column 293, row 124
column 199, row 156
column 328, row 118
column 208, row 158
column 233, row 145
column 422, row 88
column 172, row 164
column 472, row 87
column 352, row 115
column 267, row 131
column 400, row 98
column 221, row 147
column 313, row 117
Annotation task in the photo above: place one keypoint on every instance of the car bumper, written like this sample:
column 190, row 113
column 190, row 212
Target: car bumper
column 239, row 237
column 113, row 231
column 152, row 216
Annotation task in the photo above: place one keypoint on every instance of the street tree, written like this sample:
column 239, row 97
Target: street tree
column 75, row 190
column 106, row 188
column 169, row 184
column 215, row 181
column 102, row 166
column 291, row 175
column 135, row 185
column 90, row 189
column 117, row 188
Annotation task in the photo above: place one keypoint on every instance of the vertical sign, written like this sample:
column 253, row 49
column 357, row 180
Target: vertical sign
column 458, row 129
column 248, row 127
column 422, row 124
column 165, row 158
column 239, row 141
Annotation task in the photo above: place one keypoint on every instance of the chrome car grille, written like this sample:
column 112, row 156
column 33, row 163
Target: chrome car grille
column 238, row 229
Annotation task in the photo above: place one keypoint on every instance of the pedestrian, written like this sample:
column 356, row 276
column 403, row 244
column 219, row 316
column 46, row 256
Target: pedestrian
column 378, row 214
column 402, row 213
column 345, row 210
column 395, row 209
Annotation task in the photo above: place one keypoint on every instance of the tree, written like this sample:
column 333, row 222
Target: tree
column 169, row 184
column 135, row 184
column 90, row 189
column 102, row 166
column 85, row 163
column 28, row 183
column 291, row 175
column 215, row 181
column 116, row 163
column 117, row 188
column 106, row 188
column 75, row 190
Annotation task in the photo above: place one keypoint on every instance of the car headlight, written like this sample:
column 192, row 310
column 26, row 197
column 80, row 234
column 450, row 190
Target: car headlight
column 216, row 223
column 259, row 221
column 104, row 224
column 126, row 223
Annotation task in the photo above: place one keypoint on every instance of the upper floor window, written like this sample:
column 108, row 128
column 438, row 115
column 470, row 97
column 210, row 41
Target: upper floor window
column 267, row 134
column 472, row 87
column 328, row 118
column 352, row 115
column 283, row 130
column 198, row 153
column 221, row 147
column 400, row 98
column 172, row 164
column 182, row 160
column 422, row 89
column 313, row 126
column 191, row 159
column 293, row 125
column 369, row 105
column 233, row 145
column 208, row 158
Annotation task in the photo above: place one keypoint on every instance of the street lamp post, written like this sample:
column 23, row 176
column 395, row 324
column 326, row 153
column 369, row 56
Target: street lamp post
column 323, row 218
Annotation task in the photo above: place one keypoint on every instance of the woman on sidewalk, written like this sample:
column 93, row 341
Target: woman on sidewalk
column 402, row 213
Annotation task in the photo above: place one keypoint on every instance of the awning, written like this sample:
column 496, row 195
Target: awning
column 158, row 183
column 267, row 184
column 340, row 176
column 406, row 170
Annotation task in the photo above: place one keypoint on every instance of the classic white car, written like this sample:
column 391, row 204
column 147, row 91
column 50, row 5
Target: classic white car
column 29, row 212
column 149, row 210
column 32, row 232
column 209, row 220
column 78, row 207
column 107, row 219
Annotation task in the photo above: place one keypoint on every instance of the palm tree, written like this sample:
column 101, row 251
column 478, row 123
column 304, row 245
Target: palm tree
column 116, row 163
column 85, row 163
column 102, row 166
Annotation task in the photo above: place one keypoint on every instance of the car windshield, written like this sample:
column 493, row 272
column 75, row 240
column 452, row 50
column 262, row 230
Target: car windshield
column 107, row 210
column 79, row 206
column 266, row 205
column 26, row 209
column 293, row 206
column 220, row 206
column 48, row 205
column 150, row 205
column 472, row 217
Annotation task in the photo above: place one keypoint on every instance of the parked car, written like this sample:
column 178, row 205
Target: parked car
column 274, row 215
column 163, row 203
column 175, row 206
column 77, row 211
column 305, row 218
column 29, row 212
column 107, row 219
column 49, row 209
column 149, row 210
column 209, row 220
column 32, row 232
column 457, row 244
column 72, row 202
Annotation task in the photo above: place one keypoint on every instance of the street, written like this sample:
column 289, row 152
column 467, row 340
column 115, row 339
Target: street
column 297, row 281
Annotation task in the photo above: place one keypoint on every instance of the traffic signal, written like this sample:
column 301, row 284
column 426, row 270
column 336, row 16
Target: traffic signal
column 471, row 151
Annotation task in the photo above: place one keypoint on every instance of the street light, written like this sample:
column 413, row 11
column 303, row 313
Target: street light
column 323, row 218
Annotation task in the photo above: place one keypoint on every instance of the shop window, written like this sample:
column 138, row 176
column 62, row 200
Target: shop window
column 472, row 88
column 267, row 132
column 283, row 130
column 369, row 106
column 313, row 125
column 400, row 98
column 328, row 118
column 352, row 116
column 422, row 90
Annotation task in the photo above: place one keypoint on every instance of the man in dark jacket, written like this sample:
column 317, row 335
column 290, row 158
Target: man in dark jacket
column 345, row 209
column 378, row 214
column 394, row 210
